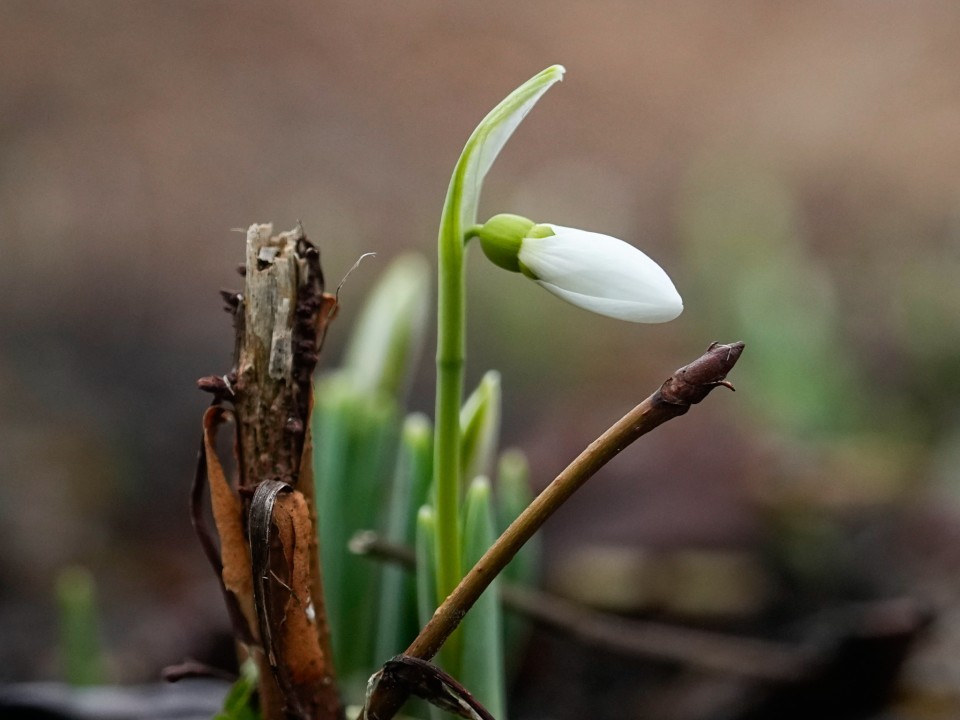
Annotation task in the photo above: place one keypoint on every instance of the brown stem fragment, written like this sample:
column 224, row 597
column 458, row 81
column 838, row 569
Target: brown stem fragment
column 687, row 386
column 267, row 523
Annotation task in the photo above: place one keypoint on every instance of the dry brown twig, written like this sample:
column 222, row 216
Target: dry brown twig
column 750, row 658
column 267, row 560
column 686, row 387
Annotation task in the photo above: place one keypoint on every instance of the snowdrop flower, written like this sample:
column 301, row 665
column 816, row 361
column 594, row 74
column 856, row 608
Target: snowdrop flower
column 595, row 272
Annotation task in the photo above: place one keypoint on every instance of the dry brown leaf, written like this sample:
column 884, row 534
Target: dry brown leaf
column 303, row 656
column 228, row 517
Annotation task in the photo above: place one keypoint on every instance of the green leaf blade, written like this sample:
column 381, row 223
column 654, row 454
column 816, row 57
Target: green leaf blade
column 482, row 670
column 387, row 340
column 480, row 427
column 397, row 617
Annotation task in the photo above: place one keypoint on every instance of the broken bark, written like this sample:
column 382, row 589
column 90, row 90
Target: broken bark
column 269, row 558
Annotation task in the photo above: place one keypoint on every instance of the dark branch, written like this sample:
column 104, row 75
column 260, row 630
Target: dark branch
column 685, row 387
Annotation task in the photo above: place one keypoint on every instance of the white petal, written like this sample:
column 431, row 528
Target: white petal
column 601, row 274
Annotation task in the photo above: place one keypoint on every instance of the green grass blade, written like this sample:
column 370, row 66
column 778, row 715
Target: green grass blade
column 513, row 496
column 426, row 570
column 388, row 337
column 480, row 428
column 482, row 671
column 355, row 448
column 397, row 618
column 426, row 539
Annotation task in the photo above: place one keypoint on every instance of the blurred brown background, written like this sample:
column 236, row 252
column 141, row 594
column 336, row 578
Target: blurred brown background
column 794, row 166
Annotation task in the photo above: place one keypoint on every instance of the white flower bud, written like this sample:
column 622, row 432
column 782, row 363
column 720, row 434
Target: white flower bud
column 599, row 273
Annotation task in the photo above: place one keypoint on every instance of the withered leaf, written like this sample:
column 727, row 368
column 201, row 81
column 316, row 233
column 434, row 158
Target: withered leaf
column 228, row 517
column 305, row 660
column 427, row 681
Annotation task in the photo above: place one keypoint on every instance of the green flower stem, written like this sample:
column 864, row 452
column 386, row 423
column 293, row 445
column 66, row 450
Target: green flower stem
column 460, row 216
column 451, row 354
